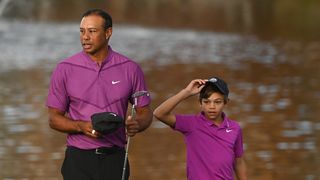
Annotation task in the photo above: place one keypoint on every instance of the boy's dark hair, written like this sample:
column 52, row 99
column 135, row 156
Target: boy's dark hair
column 214, row 85
column 107, row 18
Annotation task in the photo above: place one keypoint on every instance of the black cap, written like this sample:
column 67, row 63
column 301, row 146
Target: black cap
column 220, row 84
column 106, row 122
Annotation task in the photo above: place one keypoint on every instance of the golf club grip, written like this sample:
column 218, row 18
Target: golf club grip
column 133, row 113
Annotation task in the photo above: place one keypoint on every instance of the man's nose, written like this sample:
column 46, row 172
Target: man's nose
column 85, row 35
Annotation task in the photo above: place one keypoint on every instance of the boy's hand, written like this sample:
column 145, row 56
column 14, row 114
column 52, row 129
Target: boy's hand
column 195, row 86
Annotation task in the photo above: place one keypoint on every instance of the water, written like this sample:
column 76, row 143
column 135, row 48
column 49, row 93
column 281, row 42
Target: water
column 274, row 85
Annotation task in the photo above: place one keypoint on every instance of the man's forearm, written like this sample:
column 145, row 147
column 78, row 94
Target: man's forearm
column 59, row 122
column 144, row 117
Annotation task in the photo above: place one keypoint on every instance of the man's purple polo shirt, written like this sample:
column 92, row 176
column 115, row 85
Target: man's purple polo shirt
column 81, row 88
column 211, row 150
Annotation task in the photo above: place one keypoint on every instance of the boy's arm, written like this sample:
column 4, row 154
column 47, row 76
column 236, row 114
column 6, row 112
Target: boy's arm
column 164, row 111
column 241, row 169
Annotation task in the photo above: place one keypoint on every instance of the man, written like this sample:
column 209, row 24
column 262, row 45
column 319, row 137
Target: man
column 96, row 80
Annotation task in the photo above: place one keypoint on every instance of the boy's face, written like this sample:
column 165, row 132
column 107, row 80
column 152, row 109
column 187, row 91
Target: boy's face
column 213, row 106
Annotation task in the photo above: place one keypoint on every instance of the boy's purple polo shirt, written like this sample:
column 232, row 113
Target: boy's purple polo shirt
column 81, row 88
column 211, row 150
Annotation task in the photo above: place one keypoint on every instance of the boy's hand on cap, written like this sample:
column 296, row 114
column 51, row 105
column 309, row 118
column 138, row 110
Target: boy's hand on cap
column 195, row 86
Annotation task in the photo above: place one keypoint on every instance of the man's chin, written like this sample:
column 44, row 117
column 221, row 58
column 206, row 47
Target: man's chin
column 87, row 50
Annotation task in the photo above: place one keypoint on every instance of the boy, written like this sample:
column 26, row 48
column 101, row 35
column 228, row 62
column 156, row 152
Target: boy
column 214, row 142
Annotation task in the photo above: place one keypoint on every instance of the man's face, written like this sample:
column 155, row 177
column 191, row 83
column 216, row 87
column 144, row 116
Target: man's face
column 213, row 106
column 93, row 37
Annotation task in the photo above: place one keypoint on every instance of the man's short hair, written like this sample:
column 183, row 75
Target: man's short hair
column 107, row 18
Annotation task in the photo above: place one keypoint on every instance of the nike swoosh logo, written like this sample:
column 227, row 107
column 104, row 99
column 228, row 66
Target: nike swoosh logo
column 115, row 82
column 228, row 130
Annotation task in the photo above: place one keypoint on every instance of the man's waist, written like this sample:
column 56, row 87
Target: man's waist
column 83, row 142
column 99, row 150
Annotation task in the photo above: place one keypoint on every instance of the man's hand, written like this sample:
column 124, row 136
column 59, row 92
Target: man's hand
column 86, row 128
column 132, row 126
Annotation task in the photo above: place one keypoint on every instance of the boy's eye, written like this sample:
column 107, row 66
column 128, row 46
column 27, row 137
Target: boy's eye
column 216, row 102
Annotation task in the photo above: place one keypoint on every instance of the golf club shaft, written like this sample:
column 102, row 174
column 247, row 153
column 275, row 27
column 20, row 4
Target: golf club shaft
column 133, row 115
column 125, row 160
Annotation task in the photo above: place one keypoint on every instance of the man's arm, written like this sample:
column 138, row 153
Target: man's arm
column 58, row 121
column 241, row 169
column 141, row 122
column 164, row 111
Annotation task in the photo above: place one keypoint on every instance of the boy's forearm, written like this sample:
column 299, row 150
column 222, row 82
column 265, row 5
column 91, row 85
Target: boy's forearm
column 163, row 112
column 167, row 106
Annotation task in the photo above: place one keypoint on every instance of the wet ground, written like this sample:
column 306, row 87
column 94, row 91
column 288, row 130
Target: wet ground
column 274, row 85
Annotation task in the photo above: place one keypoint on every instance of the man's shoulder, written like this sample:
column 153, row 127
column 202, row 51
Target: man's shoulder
column 123, row 59
column 73, row 59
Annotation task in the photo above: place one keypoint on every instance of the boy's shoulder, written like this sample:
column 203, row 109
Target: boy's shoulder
column 232, row 122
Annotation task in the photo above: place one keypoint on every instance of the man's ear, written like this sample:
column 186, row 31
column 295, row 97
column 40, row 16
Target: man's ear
column 108, row 32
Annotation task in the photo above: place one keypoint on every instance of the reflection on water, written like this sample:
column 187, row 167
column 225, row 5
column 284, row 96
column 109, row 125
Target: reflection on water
column 274, row 85
column 266, row 19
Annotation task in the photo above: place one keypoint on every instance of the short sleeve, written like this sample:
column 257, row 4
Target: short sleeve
column 139, row 84
column 57, row 95
column 184, row 123
column 238, row 147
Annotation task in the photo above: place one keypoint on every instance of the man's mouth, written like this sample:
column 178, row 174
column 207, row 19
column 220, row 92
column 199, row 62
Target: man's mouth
column 86, row 45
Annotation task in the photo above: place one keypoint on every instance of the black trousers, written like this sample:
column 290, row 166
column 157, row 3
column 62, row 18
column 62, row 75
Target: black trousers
column 100, row 164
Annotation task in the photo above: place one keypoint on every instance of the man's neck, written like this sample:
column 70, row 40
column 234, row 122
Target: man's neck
column 99, row 57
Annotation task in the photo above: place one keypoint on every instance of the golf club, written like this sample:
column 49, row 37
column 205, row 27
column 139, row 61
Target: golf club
column 133, row 115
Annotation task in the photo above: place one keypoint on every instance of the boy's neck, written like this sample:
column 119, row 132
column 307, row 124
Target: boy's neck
column 217, row 121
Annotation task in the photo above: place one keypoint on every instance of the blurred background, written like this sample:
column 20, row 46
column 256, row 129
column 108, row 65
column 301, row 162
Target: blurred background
column 267, row 51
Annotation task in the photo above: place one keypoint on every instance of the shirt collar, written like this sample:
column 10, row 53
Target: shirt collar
column 110, row 51
column 224, row 123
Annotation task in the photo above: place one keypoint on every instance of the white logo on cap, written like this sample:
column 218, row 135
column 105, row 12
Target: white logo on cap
column 113, row 114
column 213, row 80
